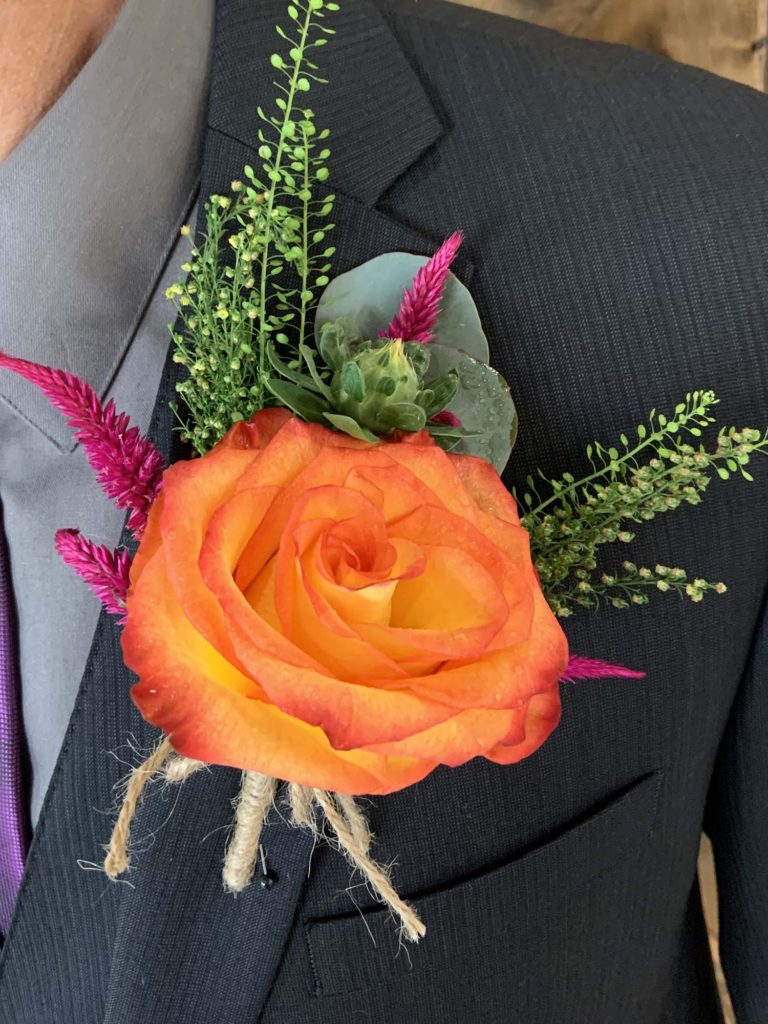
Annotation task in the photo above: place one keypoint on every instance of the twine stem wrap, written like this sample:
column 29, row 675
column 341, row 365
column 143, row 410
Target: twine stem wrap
column 251, row 808
column 179, row 769
column 116, row 860
column 354, row 839
column 300, row 799
column 252, row 805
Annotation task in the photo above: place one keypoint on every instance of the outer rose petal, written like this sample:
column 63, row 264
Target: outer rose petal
column 257, row 432
column 213, row 713
column 339, row 613
column 504, row 678
column 484, row 484
column 542, row 717
column 192, row 491
column 468, row 734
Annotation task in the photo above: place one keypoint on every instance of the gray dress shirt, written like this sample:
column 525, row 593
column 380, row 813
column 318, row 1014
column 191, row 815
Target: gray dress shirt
column 90, row 208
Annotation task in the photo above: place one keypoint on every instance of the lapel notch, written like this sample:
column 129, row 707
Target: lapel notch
column 380, row 117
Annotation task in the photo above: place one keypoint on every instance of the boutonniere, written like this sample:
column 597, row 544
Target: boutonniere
column 335, row 593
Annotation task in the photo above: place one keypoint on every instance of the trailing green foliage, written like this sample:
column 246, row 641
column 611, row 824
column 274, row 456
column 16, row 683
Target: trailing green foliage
column 658, row 472
column 254, row 278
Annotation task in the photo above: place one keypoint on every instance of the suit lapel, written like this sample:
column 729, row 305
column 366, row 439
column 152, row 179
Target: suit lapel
column 381, row 118
column 169, row 944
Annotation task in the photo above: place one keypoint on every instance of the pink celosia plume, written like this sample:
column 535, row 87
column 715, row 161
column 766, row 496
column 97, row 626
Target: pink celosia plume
column 590, row 668
column 128, row 467
column 446, row 418
column 418, row 312
column 105, row 571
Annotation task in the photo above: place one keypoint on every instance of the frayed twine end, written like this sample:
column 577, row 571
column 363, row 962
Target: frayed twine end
column 257, row 794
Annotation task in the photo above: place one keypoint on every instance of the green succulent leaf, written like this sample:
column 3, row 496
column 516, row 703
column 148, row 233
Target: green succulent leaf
column 445, row 430
column 385, row 386
column 308, row 356
column 403, row 416
column 335, row 340
column 306, row 404
column 352, row 381
column 295, row 376
column 418, row 353
column 370, row 295
column 349, row 426
column 442, row 391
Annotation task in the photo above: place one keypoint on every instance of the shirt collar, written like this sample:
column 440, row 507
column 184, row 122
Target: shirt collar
column 91, row 200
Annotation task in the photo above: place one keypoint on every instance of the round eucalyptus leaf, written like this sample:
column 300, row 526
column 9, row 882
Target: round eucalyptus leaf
column 370, row 296
column 483, row 403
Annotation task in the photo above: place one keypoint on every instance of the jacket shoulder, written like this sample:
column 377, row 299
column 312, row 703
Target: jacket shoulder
column 546, row 52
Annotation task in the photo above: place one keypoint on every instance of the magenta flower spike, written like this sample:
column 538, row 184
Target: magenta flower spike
column 418, row 312
column 128, row 467
column 105, row 571
column 590, row 668
column 449, row 419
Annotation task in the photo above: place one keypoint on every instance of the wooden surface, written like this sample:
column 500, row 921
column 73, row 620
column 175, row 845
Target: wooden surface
column 724, row 36
column 709, row 893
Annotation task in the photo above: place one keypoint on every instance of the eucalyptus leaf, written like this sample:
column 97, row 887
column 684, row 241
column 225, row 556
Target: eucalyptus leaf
column 349, row 426
column 370, row 296
column 482, row 403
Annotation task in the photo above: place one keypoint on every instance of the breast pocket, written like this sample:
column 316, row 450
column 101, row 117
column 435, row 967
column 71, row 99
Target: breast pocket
column 498, row 918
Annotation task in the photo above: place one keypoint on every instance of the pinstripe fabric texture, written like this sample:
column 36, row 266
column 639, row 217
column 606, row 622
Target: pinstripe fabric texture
column 615, row 208
column 13, row 819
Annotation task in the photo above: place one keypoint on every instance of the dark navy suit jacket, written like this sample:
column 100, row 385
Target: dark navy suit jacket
column 616, row 214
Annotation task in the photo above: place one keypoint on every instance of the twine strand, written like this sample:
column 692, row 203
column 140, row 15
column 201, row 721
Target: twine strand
column 179, row 769
column 252, row 805
column 355, row 819
column 117, row 860
column 300, row 799
column 349, row 838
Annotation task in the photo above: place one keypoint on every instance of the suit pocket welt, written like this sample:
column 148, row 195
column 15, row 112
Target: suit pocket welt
column 502, row 905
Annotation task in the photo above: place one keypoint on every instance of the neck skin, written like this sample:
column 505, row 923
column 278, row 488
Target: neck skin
column 43, row 46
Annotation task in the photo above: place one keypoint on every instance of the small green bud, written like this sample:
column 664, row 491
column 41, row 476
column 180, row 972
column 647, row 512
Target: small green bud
column 374, row 383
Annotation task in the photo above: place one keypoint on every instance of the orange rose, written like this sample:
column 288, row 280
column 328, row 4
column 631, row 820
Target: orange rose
column 340, row 614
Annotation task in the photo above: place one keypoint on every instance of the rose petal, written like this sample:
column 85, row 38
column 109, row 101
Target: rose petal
column 542, row 717
column 213, row 713
column 466, row 735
